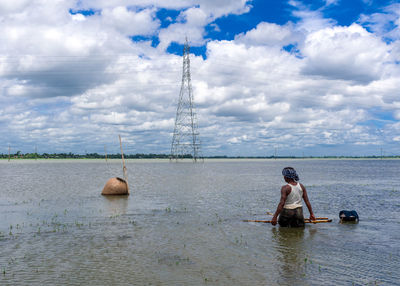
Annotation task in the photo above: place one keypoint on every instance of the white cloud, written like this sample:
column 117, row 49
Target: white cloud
column 214, row 8
column 349, row 53
column 191, row 23
column 236, row 140
column 7, row 6
column 129, row 22
column 310, row 20
column 73, row 81
column 386, row 23
column 268, row 34
column 331, row 2
column 397, row 114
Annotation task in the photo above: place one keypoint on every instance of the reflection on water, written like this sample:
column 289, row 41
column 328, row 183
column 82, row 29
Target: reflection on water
column 115, row 205
column 291, row 247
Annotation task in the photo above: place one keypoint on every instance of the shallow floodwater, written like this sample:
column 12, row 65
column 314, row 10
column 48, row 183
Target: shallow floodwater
column 182, row 224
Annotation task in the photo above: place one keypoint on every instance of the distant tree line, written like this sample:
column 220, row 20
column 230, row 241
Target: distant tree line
column 19, row 155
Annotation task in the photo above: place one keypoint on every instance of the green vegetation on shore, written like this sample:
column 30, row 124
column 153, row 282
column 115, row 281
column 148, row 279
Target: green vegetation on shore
column 70, row 155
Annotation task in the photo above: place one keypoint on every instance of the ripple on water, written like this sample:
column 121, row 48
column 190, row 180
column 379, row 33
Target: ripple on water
column 183, row 224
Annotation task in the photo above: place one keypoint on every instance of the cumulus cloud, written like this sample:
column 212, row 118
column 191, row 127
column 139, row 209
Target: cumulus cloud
column 269, row 34
column 191, row 22
column 7, row 7
column 216, row 8
column 129, row 22
column 350, row 53
column 74, row 81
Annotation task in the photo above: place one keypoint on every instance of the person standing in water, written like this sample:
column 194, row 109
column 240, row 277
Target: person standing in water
column 290, row 208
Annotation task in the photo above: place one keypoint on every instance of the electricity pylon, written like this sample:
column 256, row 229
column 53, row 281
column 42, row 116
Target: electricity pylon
column 185, row 141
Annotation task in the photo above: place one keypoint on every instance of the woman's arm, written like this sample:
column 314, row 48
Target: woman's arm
column 308, row 204
column 284, row 193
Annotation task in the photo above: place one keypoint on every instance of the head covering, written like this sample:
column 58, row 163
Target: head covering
column 290, row 173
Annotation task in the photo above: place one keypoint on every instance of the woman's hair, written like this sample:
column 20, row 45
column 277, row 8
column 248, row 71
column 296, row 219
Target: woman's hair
column 290, row 173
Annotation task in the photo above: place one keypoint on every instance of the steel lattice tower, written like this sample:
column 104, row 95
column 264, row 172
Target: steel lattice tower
column 186, row 140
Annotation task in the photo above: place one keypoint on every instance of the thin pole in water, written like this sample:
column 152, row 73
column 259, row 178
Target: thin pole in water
column 105, row 150
column 9, row 148
column 123, row 164
column 306, row 221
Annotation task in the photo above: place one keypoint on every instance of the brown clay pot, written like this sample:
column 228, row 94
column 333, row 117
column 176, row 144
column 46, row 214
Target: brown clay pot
column 115, row 186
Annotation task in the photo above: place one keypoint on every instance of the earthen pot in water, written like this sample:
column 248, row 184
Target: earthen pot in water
column 115, row 186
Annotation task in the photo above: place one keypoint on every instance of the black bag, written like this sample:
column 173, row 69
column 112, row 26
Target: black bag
column 348, row 215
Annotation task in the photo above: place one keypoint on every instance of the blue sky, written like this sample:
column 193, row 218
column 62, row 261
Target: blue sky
column 300, row 77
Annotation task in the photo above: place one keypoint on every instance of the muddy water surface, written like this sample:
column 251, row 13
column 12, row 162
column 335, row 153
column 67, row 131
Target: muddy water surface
column 182, row 225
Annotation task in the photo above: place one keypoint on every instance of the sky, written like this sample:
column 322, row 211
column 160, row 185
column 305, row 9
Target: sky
column 290, row 77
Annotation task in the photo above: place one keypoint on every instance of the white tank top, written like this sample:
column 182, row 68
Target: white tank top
column 294, row 199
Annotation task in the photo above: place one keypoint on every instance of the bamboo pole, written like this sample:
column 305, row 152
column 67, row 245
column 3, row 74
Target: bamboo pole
column 105, row 150
column 123, row 164
column 317, row 218
column 306, row 220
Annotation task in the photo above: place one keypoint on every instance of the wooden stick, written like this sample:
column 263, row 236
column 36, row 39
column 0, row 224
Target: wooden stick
column 123, row 164
column 256, row 220
column 317, row 218
column 318, row 221
column 306, row 221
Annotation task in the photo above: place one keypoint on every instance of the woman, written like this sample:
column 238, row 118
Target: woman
column 290, row 208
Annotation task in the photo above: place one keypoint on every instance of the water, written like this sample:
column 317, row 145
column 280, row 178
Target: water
column 182, row 224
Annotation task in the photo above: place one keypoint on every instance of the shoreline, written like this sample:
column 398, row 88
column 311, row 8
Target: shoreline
column 230, row 159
